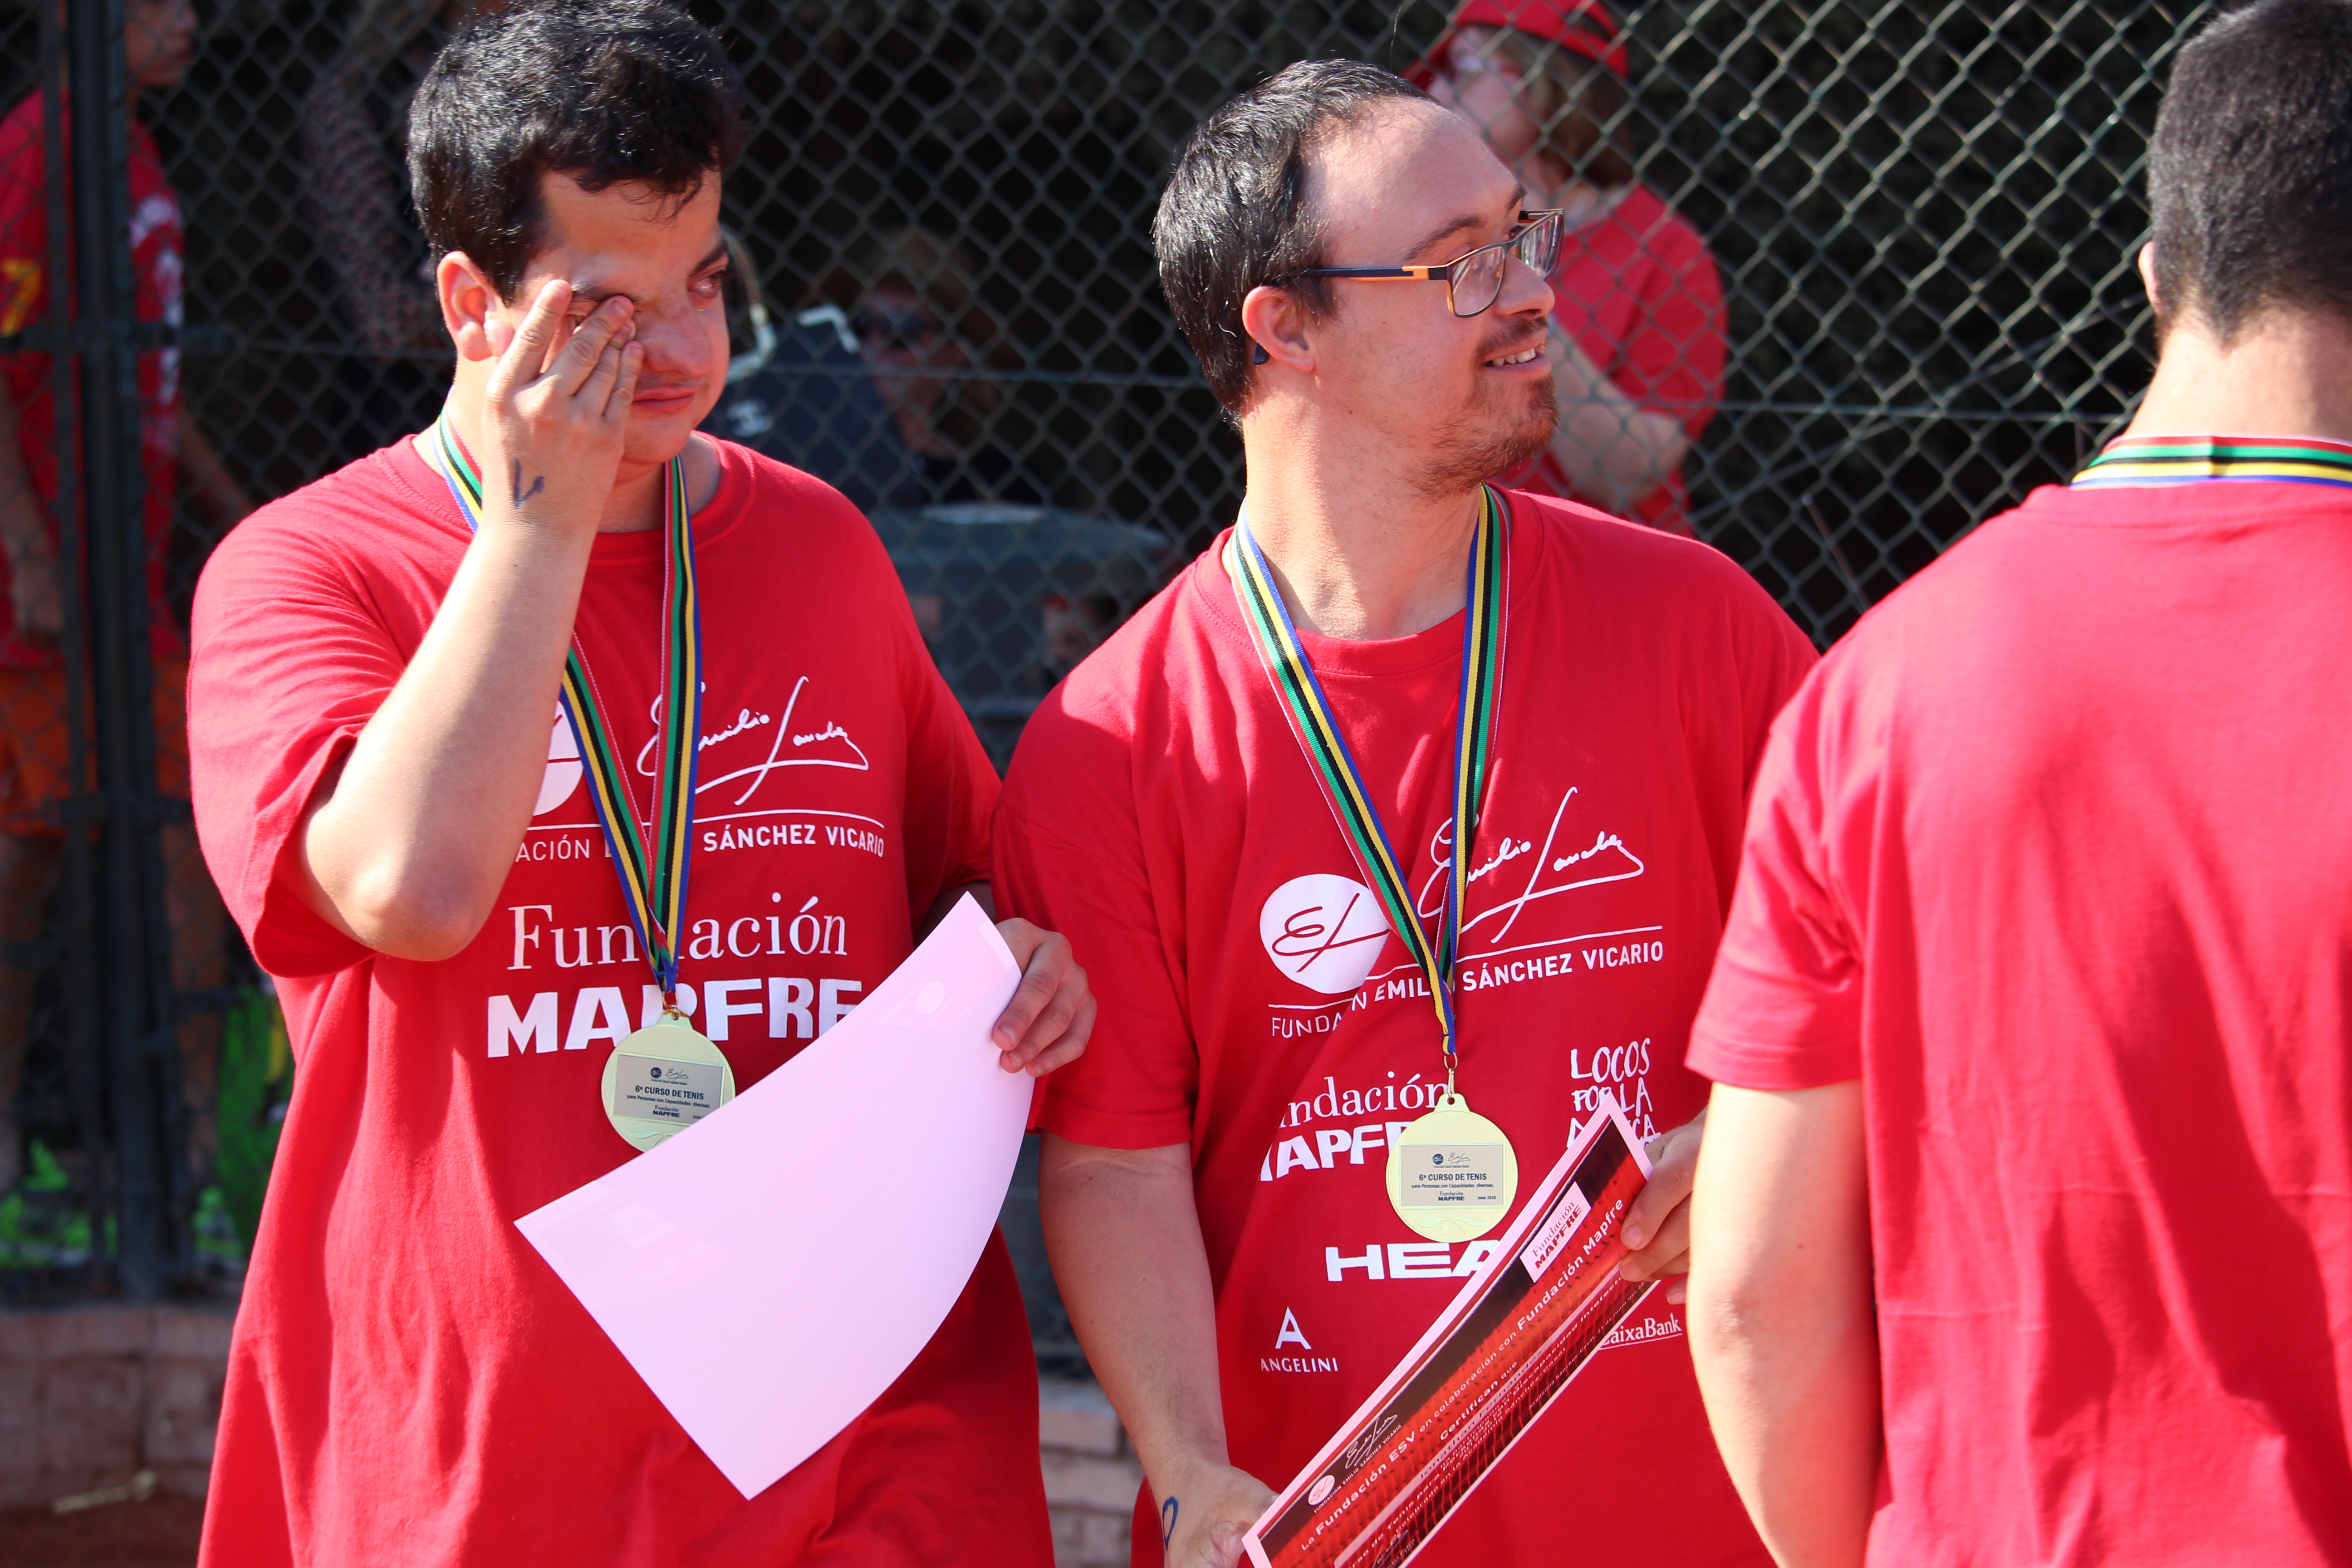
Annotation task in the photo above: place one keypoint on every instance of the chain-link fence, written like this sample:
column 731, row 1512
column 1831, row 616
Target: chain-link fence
column 1907, row 235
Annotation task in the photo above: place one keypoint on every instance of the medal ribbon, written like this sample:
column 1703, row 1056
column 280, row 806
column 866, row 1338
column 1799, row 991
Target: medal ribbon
column 652, row 863
column 1311, row 719
column 2140, row 460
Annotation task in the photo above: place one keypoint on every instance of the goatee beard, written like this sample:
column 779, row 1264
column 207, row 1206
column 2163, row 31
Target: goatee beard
column 1480, row 448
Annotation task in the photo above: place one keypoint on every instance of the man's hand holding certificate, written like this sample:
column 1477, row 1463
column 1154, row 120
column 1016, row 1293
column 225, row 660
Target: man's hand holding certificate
column 1516, row 1336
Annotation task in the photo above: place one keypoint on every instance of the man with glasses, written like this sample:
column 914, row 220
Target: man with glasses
column 1366, row 293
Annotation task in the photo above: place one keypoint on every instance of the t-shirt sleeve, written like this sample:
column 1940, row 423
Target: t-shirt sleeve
column 1085, row 877
column 1672, row 359
column 288, row 665
column 1783, row 1008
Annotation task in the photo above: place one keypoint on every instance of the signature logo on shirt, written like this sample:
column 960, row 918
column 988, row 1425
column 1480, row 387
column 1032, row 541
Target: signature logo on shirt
column 740, row 749
column 1328, row 932
column 1517, row 872
column 1324, row 932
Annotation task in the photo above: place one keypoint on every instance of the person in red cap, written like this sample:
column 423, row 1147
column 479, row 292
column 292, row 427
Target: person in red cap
column 1638, row 354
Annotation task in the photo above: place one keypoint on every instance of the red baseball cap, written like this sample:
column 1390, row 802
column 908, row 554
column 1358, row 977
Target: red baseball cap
column 1584, row 27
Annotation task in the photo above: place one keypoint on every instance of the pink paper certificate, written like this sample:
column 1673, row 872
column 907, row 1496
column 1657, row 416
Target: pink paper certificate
column 772, row 1268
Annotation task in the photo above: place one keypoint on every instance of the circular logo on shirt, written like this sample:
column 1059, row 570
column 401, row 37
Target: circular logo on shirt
column 564, row 768
column 1324, row 932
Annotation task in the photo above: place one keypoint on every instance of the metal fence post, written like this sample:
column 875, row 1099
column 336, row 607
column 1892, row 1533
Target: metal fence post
column 72, row 912
column 132, row 970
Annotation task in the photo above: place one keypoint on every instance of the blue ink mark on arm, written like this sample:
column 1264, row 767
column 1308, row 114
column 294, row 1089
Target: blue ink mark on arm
column 537, row 484
column 1167, row 1523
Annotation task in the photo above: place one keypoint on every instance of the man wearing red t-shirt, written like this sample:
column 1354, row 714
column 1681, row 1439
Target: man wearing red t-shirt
column 1213, row 1187
column 35, row 772
column 431, row 876
column 2023, row 1231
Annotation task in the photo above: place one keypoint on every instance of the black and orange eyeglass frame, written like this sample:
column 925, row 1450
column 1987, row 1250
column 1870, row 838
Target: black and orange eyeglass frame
column 1474, row 280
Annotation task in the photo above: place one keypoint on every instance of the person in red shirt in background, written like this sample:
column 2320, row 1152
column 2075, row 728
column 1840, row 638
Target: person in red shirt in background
column 36, row 778
column 423, row 866
column 1213, row 1171
column 2023, row 1229
column 1637, row 355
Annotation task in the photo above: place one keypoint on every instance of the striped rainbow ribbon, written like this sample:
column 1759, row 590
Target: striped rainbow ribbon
column 1317, row 729
column 2188, row 459
column 651, row 861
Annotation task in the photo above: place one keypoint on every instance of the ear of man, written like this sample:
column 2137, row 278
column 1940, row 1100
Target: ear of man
column 1275, row 324
column 469, row 308
column 480, row 322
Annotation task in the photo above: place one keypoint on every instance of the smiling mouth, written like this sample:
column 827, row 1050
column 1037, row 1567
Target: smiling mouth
column 1532, row 351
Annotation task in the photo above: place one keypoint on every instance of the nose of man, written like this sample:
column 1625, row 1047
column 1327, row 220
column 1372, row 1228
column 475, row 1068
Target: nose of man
column 689, row 344
column 685, row 352
column 1525, row 290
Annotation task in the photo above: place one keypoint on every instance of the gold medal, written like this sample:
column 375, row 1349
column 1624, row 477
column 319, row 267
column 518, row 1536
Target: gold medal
column 1451, row 1174
column 661, row 1081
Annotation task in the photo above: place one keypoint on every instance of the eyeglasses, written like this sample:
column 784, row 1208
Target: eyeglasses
column 1474, row 280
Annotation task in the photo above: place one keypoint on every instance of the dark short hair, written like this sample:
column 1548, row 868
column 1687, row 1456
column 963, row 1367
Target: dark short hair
column 606, row 91
column 1234, row 216
column 2251, row 172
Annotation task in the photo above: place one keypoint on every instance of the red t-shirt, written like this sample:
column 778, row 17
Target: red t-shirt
column 1256, row 1006
column 1638, row 293
column 409, row 1381
column 2052, row 853
column 156, row 265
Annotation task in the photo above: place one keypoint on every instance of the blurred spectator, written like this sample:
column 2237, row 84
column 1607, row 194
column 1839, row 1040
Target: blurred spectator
column 798, row 391
column 906, row 306
column 1638, row 352
column 355, row 191
column 36, row 775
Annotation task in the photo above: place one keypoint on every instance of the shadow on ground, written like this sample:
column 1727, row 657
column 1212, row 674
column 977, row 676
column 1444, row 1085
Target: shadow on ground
column 158, row 1534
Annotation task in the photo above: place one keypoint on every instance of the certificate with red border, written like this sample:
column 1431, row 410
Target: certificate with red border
column 1518, row 1335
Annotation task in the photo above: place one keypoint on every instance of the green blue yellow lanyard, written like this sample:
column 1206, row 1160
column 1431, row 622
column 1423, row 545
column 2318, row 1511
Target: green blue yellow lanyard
column 652, row 863
column 1309, row 711
column 2144, row 460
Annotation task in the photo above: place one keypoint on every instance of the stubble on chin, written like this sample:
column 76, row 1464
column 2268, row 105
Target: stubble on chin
column 1489, row 440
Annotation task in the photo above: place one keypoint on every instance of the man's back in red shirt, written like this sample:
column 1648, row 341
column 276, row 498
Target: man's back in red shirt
column 2023, row 1227
column 2052, row 855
